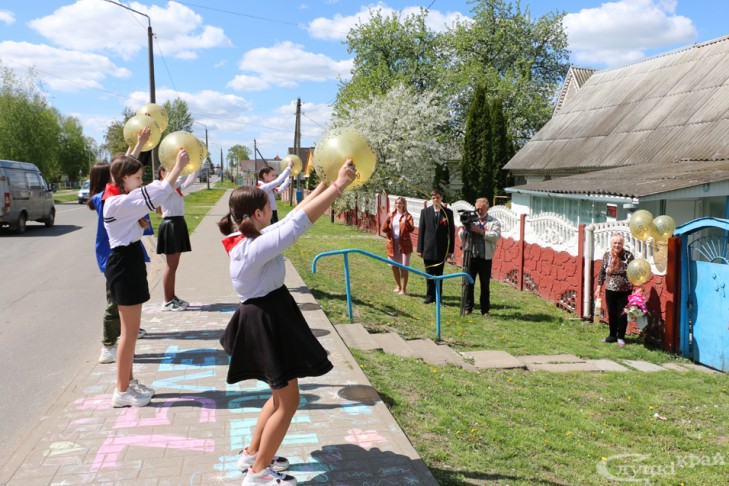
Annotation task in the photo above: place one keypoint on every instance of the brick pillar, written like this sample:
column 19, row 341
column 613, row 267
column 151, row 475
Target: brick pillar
column 672, row 282
column 520, row 257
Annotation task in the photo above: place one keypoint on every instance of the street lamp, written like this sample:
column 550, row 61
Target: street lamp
column 150, row 53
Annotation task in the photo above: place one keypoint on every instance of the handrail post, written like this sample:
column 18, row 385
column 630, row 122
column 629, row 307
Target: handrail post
column 437, row 308
column 348, row 287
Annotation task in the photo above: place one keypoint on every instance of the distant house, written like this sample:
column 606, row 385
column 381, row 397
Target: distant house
column 652, row 135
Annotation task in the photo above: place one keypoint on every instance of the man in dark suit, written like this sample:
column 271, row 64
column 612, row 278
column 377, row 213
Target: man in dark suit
column 436, row 239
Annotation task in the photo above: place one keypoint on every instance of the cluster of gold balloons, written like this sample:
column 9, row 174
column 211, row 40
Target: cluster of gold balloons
column 338, row 145
column 155, row 118
column 644, row 227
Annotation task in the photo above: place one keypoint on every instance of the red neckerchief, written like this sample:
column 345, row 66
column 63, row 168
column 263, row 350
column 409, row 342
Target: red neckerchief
column 110, row 190
column 179, row 192
column 259, row 184
column 229, row 242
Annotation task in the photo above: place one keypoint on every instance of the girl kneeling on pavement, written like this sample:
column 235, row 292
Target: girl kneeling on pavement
column 268, row 338
column 125, row 205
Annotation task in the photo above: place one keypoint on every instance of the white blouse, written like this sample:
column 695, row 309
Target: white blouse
column 256, row 264
column 123, row 212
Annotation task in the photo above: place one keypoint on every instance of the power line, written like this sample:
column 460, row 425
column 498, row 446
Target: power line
column 256, row 17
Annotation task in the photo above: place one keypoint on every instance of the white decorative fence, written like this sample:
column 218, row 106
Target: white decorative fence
column 550, row 230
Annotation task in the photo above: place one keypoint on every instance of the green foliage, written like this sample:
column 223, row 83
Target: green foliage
column 74, row 156
column 236, row 153
column 114, row 142
column 29, row 125
column 502, row 148
column 514, row 56
column 390, row 51
column 179, row 115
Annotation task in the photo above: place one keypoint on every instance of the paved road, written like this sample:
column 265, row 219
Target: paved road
column 51, row 300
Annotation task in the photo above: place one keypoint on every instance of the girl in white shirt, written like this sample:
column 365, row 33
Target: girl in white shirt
column 125, row 205
column 268, row 338
column 173, row 238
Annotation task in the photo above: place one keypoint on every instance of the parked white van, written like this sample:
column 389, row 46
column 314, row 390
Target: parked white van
column 25, row 196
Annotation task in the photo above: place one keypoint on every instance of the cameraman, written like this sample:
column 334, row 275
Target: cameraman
column 484, row 232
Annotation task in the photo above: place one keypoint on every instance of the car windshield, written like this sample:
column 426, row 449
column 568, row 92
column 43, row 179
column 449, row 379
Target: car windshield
column 86, row 184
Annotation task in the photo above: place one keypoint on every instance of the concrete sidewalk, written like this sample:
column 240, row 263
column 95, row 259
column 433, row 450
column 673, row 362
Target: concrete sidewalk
column 192, row 432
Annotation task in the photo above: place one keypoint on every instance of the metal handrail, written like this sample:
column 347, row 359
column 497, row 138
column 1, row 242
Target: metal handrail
column 437, row 278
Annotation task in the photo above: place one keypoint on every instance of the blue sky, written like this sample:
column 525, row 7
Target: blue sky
column 241, row 65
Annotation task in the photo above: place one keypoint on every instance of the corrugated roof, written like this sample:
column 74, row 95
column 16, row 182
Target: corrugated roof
column 636, row 181
column 672, row 106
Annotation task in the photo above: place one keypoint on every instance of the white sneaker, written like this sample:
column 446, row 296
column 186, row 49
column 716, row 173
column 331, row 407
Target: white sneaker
column 268, row 477
column 142, row 389
column 108, row 354
column 245, row 460
column 173, row 306
column 181, row 302
column 130, row 398
column 141, row 333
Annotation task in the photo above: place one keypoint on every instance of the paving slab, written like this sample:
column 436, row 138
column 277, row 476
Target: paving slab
column 608, row 365
column 356, row 336
column 698, row 367
column 675, row 367
column 644, row 366
column 428, row 351
column 455, row 358
column 550, row 358
column 492, row 359
column 391, row 342
column 564, row 367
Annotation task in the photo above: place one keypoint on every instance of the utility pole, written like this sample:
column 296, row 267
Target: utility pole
column 150, row 55
column 208, row 161
column 297, row 149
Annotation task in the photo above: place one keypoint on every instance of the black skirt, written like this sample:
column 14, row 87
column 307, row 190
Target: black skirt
column 126, row 275
column 268, row 339
column 173, row 236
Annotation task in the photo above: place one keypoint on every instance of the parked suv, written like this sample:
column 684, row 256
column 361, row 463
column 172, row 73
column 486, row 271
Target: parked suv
column 83, row 193
column 25, row 196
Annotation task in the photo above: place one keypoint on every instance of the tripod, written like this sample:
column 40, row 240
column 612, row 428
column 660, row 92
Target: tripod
column 466, row 263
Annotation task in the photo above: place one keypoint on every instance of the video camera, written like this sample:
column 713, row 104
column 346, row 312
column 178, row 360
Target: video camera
column 467, row 216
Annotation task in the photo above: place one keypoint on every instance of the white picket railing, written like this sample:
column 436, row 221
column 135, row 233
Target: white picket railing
column 550, row 230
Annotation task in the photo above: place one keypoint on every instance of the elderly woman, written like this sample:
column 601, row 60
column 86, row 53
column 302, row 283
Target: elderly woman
column 614, row 274
column 397, row 229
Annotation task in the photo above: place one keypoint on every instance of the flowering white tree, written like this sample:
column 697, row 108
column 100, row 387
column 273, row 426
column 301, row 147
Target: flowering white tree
column 405, row 130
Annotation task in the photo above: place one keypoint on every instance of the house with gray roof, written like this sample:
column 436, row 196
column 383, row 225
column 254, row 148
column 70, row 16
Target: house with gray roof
column 652, row 135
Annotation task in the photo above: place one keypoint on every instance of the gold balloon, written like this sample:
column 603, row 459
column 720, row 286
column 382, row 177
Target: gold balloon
column 204, row 149
column 140, row 122
column 157, row 113
column 665, row 226
column 640, row 225
column 171, row 145
column 296, row 169
column 339, row 145
column 639, row 271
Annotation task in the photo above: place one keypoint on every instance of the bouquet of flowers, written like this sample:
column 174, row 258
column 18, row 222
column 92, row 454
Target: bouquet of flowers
column 636, row 308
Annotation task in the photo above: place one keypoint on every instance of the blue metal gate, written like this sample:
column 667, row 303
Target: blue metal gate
column 704, row 325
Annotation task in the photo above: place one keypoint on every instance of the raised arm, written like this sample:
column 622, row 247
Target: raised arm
column 142, row 137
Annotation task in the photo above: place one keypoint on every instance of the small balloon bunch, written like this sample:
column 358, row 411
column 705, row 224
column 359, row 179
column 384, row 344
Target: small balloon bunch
column 644, row 227
column 155, row 118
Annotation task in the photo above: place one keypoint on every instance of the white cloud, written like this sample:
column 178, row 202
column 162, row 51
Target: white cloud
column 314, row 122
column 337, row 27
column 219, row 111
column 7, row 17
column 287, row 64
column 60, row 69
column 621, row 32
column 243, row 82
column 179, row 31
